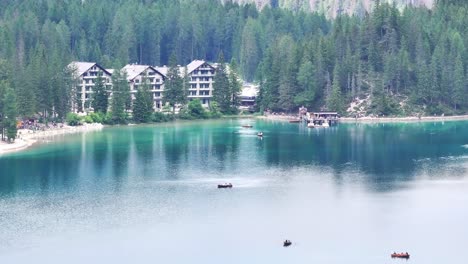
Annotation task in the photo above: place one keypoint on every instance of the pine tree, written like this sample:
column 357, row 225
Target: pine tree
column 100, row 96
column 143, row 104
column 221, row 89
column 173, row 85
column 459, row 90
column 335, row 99
column 10, row 110
column 234, row 89
column 119, row 97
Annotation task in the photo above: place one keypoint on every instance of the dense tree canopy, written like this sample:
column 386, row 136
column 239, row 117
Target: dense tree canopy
column 417, row 55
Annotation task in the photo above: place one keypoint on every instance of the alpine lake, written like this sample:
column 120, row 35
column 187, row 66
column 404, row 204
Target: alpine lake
column 353, row 193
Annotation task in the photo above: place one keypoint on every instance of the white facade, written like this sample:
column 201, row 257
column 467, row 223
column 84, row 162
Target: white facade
column 200, row 74
column 201, row 78
column 136, row 75
column 85, row 74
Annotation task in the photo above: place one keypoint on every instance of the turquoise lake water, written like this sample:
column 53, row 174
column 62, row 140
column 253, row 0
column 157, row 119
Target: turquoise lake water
column 148, row 194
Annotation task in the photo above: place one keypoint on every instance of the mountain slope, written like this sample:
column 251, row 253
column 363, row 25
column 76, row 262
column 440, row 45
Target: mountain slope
column 331, row 7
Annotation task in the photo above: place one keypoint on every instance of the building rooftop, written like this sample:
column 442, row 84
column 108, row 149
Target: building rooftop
column 133, row 70
column 80, row 66
column 194, row 65
column 249, row 90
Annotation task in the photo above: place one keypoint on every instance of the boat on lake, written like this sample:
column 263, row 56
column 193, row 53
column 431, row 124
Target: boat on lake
column 294, row 121
column 287, row 243
column 260, row 134
column 400, row 255
column 247, row 126
column 226, row 185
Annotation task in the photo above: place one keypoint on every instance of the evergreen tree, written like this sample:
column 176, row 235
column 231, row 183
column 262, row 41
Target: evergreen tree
column 10, row 111
column 119, row 97
column 335, row 101
column 173, row 85
column 234, row 89
column 459, row 90
column 221, row 89
column 143, row 105
column 100, row 96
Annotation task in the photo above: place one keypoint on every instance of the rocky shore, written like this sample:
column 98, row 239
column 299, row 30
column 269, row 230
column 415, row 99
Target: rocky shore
column 27, row 138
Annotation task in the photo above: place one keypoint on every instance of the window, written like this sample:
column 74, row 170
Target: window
column 137, row 81
column 194, row 79
column 158, row 80
column 193, row 85
column 204, row 101
column 151, row 73
column 151, row 80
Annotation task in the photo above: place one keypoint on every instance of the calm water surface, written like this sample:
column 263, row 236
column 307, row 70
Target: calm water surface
column 147, row 194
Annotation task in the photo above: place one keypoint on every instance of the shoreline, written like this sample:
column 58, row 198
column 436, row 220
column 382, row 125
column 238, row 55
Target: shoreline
column 27, row 138
column 409, row 119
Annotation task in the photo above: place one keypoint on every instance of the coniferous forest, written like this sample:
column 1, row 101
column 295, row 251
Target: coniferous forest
column 402, row 62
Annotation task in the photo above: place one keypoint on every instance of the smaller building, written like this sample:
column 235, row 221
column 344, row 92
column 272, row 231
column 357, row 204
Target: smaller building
column 248, row 96
column 318, row 118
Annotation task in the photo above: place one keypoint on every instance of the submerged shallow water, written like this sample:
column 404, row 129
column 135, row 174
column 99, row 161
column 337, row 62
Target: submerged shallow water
column 147, row 194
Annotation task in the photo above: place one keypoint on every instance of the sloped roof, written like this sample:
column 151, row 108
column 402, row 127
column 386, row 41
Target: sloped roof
column 249, row 90
column 194, row 65
column 133, row 70
column 163, row 70
column 81, row 67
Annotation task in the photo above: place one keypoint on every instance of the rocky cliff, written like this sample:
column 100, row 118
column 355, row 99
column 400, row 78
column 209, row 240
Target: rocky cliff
column 332, row 7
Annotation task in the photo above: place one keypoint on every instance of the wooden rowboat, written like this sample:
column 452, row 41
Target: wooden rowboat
column 222, row 186
column 400, row 255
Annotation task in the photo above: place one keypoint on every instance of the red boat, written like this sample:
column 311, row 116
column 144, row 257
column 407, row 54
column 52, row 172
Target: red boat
column 400, row 255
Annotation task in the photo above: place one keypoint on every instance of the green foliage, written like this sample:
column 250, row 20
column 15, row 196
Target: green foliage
column 214, row 110
column 174, row 91
column 335, row 98
column 415, row 52
column 100, row 96
column 98, row 117
column 73, row 119
column 194, row 110
column 221, row 87
column 120, row 95
column 88, row 119
column 10, row 112
column 143, row 104
column 159, row 117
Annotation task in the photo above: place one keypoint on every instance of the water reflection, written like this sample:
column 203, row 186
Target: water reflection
column 380, row 155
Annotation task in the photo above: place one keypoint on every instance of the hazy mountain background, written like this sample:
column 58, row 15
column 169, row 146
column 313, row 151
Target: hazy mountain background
column 331, row 7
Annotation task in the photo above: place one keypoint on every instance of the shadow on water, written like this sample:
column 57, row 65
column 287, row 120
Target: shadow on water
column 383, row 153
column 380, row 155
column 56, row 170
